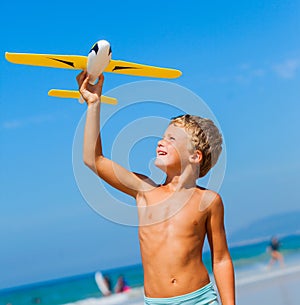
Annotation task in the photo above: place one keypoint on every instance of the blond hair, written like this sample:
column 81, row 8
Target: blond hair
column 205, row 136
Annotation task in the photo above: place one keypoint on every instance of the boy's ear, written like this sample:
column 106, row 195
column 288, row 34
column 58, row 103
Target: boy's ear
column 196, row 157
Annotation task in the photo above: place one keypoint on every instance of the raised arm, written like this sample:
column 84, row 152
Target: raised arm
column 221, row 260
column 114, row 174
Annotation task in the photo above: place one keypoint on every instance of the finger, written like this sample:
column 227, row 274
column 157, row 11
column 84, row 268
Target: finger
column 81, row 76
column 85, row 82
column 101, row 79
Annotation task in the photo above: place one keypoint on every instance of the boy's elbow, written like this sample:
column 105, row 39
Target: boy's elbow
column 89, row 163
column 224, row 258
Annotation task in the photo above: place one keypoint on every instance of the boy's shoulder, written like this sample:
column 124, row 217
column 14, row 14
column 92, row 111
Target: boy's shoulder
column 148, row 183
column 209, row 198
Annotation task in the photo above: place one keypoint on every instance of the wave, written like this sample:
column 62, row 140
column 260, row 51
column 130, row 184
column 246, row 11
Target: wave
column 248, row 278
column 134, row 296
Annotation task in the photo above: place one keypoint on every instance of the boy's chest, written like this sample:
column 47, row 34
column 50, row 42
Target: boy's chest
column 161, row 233
column 171, row 213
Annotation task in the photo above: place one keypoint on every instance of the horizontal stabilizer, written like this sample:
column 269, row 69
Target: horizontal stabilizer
column 76, row 94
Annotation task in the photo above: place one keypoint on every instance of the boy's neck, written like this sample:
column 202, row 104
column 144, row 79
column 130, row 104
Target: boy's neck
column 177, row 182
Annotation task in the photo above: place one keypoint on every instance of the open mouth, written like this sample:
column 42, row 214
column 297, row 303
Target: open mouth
column 161, row 153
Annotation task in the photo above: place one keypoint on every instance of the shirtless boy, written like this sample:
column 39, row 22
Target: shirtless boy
column 174, row 217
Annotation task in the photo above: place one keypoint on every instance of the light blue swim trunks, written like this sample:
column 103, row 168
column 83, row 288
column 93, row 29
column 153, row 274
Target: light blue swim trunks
column 203, row 296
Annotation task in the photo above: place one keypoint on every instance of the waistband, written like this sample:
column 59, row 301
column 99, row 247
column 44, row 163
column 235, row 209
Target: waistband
column 202, row 296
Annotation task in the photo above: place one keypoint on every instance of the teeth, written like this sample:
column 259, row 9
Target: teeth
column 161, row 153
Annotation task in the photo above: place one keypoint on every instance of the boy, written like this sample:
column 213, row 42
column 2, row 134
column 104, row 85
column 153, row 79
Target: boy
column 175, row 217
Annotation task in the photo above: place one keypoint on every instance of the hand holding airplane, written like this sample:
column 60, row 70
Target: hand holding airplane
column 98, row 61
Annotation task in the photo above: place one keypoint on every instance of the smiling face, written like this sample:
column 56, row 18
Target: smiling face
column 174, row 150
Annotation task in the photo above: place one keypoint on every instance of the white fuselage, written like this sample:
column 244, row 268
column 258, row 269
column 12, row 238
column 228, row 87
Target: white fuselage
column 98, row 59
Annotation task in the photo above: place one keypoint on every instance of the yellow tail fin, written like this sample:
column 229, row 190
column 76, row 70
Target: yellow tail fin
column 76, row 94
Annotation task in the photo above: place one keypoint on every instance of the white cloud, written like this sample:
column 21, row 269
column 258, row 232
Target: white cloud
column 258, row 72
column 245, row 66
column 287, row 69
column 243, row 74
column 247, row 74
column 18, row 123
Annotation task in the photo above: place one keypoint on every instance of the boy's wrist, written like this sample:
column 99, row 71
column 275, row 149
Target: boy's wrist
column 94, row 103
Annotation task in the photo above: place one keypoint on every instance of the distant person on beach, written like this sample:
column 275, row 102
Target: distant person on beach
column 174, row 217
column 276, row 256
column 108, row 284
column 36, row 300
column 121, row 285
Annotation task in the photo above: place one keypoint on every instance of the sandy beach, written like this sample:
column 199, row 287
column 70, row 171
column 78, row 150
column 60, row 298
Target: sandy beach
column 278, row 286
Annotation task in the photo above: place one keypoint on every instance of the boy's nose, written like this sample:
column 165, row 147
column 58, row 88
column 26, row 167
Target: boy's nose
column 160, row 143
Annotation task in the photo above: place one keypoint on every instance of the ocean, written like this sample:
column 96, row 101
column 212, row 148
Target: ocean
column 82, row 289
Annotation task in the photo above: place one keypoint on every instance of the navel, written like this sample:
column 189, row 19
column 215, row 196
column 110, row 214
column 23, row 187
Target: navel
column 173, row 281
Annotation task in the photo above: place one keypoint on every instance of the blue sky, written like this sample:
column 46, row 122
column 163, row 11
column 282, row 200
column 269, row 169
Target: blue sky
column 241, row 58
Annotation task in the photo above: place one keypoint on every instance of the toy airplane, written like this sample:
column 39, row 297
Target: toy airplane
column 98, row 61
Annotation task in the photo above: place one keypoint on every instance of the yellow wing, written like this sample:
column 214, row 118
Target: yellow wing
column 80, row 62
column 48, row 60
column 130, row 68
column 76, row 94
